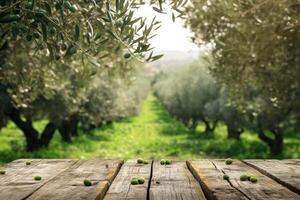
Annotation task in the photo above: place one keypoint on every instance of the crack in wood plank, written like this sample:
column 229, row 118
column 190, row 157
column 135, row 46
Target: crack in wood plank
column 231, row 183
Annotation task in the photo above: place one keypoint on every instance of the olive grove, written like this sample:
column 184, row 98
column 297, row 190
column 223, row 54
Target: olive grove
column 72, row 62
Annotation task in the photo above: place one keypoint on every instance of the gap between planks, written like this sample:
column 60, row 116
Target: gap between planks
column 150, row 180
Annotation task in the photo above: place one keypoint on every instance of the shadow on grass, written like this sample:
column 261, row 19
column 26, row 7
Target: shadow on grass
column 57, row 148
column 200, row 145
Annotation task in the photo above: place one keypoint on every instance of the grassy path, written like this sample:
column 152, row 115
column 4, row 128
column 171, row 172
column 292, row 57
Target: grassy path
column 153, row 133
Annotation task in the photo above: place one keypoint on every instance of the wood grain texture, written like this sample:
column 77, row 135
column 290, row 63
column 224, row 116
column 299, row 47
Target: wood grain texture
column 211, row 180
column 174, row 182
column 285, row 172
column 265, row 188
column 122, row 188
column 69, row 184
column 18, row 182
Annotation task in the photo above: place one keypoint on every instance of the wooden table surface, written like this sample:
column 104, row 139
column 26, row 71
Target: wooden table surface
column 62, row 179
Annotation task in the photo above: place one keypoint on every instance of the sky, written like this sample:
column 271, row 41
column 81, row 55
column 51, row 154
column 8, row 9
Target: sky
column 172, row 36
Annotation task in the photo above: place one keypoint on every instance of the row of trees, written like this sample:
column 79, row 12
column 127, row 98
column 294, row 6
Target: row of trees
column 256, row 50
column 71, row 62
column 192, row 95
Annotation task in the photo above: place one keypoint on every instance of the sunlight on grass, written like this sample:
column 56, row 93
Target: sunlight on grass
column 151, row 134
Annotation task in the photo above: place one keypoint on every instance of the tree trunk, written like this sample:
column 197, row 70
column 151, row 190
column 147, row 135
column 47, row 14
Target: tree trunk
column 33, row 141
column 194, row 124
column 31, row 135
column 65, row 131
column 234, row 132
column 214, row 125
column 74, row 125
column 276, row 144
column 208, row 128
column 68, row 128
column 47, row 134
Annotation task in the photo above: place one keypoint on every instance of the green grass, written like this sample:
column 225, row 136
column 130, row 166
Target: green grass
column 151, row 134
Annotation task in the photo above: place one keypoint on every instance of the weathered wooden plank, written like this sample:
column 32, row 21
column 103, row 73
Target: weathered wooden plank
column 211, row 180
column 69, row 184
column 174, row 182
column 122, row 188
column 265, row 188
column 286, row 172
column 18, row 182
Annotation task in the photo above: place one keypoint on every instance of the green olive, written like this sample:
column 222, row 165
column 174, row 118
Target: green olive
column 168, row 162
column 134, row 181
column 226, row 177
column 244, row 177
column 37, row 178
column 87, row 182
column 253, row 179
column 141, row 180
column 228, row 161
column 127, row 55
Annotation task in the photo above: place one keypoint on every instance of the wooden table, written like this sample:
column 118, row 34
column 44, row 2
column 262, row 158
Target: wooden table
column 62, row 179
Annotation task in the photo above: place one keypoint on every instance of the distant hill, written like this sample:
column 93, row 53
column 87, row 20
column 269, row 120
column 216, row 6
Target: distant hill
column 174, row 59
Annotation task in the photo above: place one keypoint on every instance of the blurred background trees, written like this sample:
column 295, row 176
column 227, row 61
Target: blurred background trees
column 256, row 49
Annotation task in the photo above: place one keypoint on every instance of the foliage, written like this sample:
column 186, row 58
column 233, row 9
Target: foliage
column 255, row 46
column 65, row 27
column 252, row 46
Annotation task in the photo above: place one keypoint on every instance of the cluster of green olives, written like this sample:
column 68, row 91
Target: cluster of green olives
column 137, row 180
column 246, row 177
column 142, row 161
column 165, row 162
